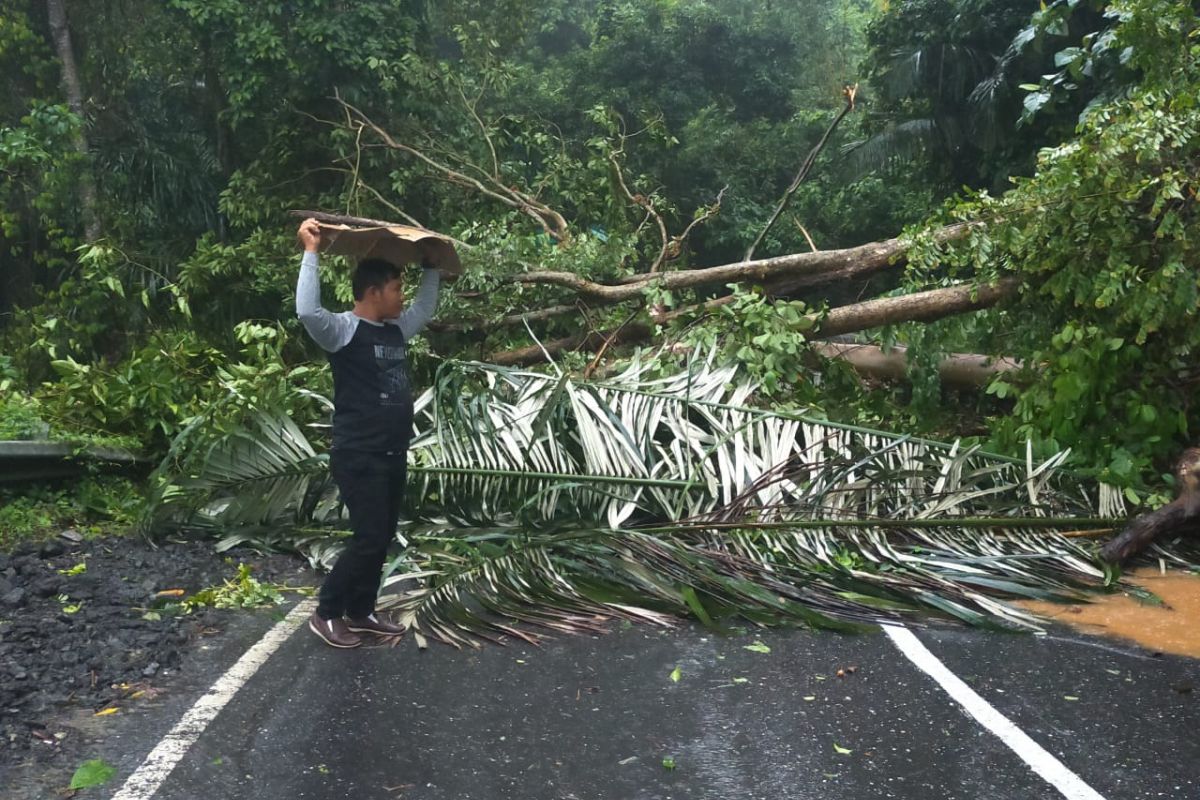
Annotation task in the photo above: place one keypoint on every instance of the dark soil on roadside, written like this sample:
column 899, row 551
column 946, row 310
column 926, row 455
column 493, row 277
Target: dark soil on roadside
column 75, row 642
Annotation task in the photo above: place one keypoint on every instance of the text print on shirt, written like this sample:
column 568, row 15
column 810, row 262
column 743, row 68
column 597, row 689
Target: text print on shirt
column 396, row 389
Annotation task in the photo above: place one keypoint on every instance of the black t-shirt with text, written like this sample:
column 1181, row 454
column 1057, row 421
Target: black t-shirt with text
column 372, row 391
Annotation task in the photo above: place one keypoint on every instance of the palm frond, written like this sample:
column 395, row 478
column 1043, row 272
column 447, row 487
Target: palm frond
column 261, row 476
column 629, row 451
column 539, row 504
column 945, row 70
column 898, row 142
column 477, row 585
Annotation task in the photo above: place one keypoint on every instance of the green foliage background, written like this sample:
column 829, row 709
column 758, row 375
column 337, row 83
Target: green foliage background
column 1068, row 132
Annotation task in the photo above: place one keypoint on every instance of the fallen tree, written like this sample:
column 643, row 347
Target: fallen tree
column 1181, row 515
column 788, row 272
column 961, row 370
column 779, row 276
column 917, row 307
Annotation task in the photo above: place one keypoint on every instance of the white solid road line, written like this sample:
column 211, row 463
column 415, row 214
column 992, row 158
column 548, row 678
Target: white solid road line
column 1047, row 766
column 146, row 779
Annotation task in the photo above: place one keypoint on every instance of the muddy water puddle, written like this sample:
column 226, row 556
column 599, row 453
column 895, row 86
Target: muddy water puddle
column 1173, row 627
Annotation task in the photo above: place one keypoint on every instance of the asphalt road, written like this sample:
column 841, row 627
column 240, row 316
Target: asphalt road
column 604, row 717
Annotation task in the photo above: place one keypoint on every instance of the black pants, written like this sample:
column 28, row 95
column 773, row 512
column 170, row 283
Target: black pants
column 372, row 487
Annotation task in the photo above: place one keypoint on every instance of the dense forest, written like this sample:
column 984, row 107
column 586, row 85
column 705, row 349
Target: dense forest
column 847, row 198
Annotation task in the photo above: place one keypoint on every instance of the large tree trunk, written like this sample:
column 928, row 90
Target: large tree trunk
column 61, row 33
column 1182, row 515
column 919, row 307
column 961, row 370
column 858, row 261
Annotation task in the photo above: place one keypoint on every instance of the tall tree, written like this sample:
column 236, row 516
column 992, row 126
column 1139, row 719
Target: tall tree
column 60, row 29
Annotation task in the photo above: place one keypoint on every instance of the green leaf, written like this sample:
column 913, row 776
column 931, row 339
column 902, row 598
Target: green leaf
column 92, row 773
column 1035, row 100
column 1067, row 56
column 841, row 750
column 757, row 647
column 676, row 674
column 693, row 600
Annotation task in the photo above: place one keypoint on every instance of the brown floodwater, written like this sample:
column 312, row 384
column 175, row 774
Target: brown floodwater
column 1171, row 627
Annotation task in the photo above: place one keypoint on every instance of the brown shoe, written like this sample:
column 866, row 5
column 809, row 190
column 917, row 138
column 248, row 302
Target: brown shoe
column 333, row 631
column 373, row 624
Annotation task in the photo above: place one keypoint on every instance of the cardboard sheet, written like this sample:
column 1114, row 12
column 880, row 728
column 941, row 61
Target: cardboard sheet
column 399, row 244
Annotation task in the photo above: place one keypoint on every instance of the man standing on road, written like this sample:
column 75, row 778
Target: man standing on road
column 372, row 426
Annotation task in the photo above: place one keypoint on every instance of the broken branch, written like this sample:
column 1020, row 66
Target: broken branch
column 848, row 92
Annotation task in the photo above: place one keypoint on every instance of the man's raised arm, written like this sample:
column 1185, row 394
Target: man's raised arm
column 423, row 306
column 321, row 324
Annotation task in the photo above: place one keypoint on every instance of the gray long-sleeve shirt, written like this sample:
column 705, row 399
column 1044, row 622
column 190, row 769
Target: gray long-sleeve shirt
column 334, row 330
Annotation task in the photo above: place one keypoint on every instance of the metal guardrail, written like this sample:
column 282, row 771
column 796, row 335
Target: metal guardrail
column 41, row 459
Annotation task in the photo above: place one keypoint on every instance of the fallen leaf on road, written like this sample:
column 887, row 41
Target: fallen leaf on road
column 92, row 773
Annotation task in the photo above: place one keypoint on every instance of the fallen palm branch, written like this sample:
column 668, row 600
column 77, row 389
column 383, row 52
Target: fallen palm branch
column 540, row 504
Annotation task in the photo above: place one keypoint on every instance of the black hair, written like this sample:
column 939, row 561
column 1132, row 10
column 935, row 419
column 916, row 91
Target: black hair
column 373, row 272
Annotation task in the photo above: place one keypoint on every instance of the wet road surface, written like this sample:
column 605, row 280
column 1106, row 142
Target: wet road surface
column 602, row 717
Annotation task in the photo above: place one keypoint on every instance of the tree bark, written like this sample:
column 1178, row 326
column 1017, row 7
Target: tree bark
column 1181, row 515
column 342, row 219
column 364, row 222
column 863, row 259
column 485, row 325
column 784, row 272
column 536, row 354
column 919, row 307
column 61, row 33
column 961, row 370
